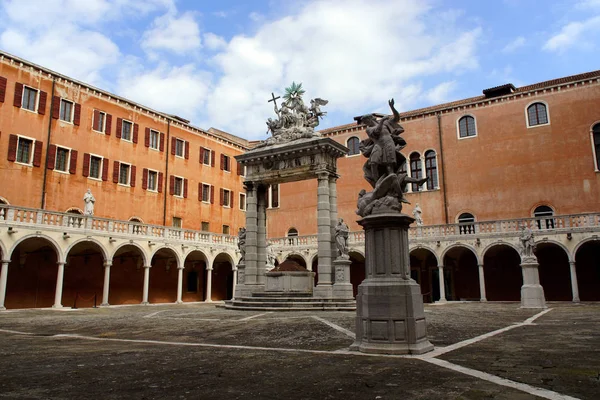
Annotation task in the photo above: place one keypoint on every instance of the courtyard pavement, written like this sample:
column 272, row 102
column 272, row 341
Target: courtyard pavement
column 200, row 351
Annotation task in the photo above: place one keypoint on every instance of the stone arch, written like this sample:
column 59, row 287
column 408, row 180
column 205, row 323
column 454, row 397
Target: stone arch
column 127, row 273
column 145, row 256
column 587, row 267
column 103, row 249
column 161, row 248
column 581, row 243
column 162, row 287
column 461, row 272
column 559, row 244
column 503, row 275
column 222, row 276
column 195, row 262
column 4, row 201
column 136, row 219
column 554, row 270
column 57, row 248
column 424, row 269
column 465, row 245
column 297, row 257
column 84, row 273
column 499, row 243
column 5, row 255
column 74, row 210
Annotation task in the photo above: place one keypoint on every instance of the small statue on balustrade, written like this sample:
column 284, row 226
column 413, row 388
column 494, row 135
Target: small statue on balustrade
column 89, row 201
column 417, row 213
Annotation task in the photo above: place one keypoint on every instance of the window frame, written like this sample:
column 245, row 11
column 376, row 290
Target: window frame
column 60, row 111
column 270, row 196
column 226, row 163
column 103, row 131
column 202, row 226
column 99, row 178
column 204, row 184
column 419, row 188
column 175, row 178
column 209, row 151
column 527, row 113
column 358, row 144
column 227, row 197
column 548, row 219
column 31, row 150
column 458, row 126
column 466, row 227
column 67, row 163
column 177, row 140
column 595, row 151
column 242, row 202
column 173, row 218
column 223, row 229
column 157, row 134
column 437, row 177
column 36, row 101
column 128, row 184
column 123, row 121
column 155, row 190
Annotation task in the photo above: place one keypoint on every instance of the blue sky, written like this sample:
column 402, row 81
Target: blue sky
column 217, row 62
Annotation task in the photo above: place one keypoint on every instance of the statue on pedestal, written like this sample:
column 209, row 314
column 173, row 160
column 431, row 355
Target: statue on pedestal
column 242, row 243
column 417, row 214
column 527, row 242
column 271, row 258
column 341, row 239
column 89, row 201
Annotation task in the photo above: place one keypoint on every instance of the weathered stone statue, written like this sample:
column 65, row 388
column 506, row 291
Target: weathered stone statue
column 527, row 242
column 89, row 201
column 271, row 258
column 341, row 238
column 242, row 243
column 294, row 120
column 417, row 214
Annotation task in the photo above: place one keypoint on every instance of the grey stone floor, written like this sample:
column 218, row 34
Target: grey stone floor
column 199, row 351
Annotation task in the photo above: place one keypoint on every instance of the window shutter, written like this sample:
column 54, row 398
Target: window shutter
column 200, row 190
column 2, row 88
column 86, row 164
column 221, row 192
column 12, row 147
column 145, row 178
column 105, row 169
column 108, row 124
column 18, row 100
column 162, row 141
column 173, row 141
column 119, row 127
column 172, row 185
column 95, row 118
column 147, row 137
column 77, row 114
column 240, row 168
column 160, row 182
column 201, row 155
column 42, row 105
column 116, row 172
column 185, row 185
column 37, row 153
column 51, row 157
column 55, row 107
column 136, row 129
column 73, row 163
column 187, row 149
column 222, row 161
column 132, row 177
column 231, row 199
column 212, row 158
column 212, row 194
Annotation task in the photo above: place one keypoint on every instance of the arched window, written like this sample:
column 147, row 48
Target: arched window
column 431, row 169
column 466, row 127
column 136, row 219
column 596, row 139
column 353, row 145
column 466, row 225
column 416, row 171
column 544, row 216
column 292, row 235
column 292, row 232
column 3, row 201
column 537, row 114
column 74, row 210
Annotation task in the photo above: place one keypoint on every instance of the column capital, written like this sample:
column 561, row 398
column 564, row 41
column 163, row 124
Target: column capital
column 480, row 265
column 323, row 175
column 570, row 263
column 108, row 263
column 440, row 266
column 209, row 268
column 181, row 267
column 59, row 263
column 5, row 261
column 249, row 185
column 333, row 177
column 147, row 266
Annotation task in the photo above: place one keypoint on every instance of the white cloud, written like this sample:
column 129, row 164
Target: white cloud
column 356, row 54
column 587, row 4
column 214, row 42
column 514, row 45
column 441, row 92
column 171, row 33
column 580, row 34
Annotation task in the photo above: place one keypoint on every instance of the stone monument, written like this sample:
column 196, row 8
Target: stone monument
column 418, row 214
column 88, row 200
column 390, row 318
column 532, row 293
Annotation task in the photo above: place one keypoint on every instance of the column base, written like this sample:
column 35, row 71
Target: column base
column 2, row 308
column 483, row 300
column 208, row 301
column 323, row 291
column 179, row 302
column 532, row 296
column 576, row 300
column 57, row 306
column 145, row 303
column 104, row 305
column 441, row 301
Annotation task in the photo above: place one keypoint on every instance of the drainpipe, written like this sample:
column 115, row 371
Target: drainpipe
column 443, row 170
column 43, row 205
column 166, row 189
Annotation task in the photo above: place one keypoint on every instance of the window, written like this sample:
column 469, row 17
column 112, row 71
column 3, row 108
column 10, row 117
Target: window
column 292, row 232
column 62, row 159
column 537, row 114
column 544, row 216
column 95, row 167
column 353, row 145
column 192, row 281
column 154, row 139
column 66, row 110
column 136, row 220
column 596, row 142
column 226, row 197
column 243, row 201
column 25, row 151
column 205, row 156
column 204, row 226
column 176, row 222
column 178, row 187
column 466, row 224
column 179, row 147
column 415, row 170
column 152, row 180
column 206, row 193
column 466, row 127
column 273, row 196
column 29, row 101
column 124, row 171
column 431, row 170
column 225, row 163
column 99, row 124
column 225, row 229
column 126, row 130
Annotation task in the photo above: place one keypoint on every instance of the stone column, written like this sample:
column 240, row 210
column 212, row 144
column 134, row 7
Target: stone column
column 390, row 318
column 261, row 234
column 324, row 288
column 333, row 217
column 235, row 279
column 105, row 288
column 59, row 285
column 209, row 270
column 442, row 286
column 574, row 284
column 3, row 280
column 482, row 284
column 532, row 293
column 248, row 278
column 146, row 284
column 179, row 284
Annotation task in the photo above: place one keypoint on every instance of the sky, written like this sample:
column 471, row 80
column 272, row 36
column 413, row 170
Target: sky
column 216, row 63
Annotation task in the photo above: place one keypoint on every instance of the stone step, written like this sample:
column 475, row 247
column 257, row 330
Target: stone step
column 293, row 299
column 301, row 307
column 280, row 294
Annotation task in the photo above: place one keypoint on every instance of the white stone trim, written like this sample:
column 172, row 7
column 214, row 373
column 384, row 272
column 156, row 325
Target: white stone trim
column 31, row 154
column 182, row 186
column 68, row 164
column 210, row 189
column 527, row 115
column 99, row 170
column 157, row 148
column 37, row 99
column 228, row 197
column 458, row 126
column 123, row 120
column 596, row 166
column 437, row 169
column 206, row 149
column 103, row 131
column 240, row 201
column 60, row 108
column 346, row 144
column 128, row 184
column 155, row 190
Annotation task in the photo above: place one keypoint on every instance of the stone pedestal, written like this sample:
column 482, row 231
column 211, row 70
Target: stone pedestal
column 240, row 288
column 286, row 282
column 532, row 293
column 390, row 318
column 342, row 288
